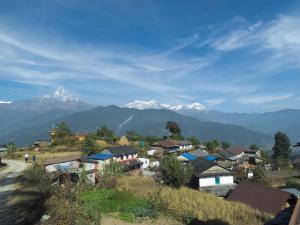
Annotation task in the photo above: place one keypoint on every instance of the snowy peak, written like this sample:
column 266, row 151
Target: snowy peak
column 62, row 95
column 5, row 102
column 138, row 104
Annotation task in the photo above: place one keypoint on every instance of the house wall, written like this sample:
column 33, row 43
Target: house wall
column 211, row 181
column 57, row 166
column 146, row 162
column 151, row 152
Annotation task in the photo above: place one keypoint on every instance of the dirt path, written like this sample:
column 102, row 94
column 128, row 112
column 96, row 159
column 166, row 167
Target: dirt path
column 7, row 186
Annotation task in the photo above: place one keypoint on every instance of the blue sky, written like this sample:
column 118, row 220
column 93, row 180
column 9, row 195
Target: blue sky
column 239, row 56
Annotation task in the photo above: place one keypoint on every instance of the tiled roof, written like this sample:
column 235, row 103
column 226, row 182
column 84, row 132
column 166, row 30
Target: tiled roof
column 259, row 197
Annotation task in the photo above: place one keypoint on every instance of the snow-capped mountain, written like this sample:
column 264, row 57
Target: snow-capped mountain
column 5, row 102
column 61, row 94
column 152, row 104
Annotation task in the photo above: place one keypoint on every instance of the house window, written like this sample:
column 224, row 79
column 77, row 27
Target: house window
column 217, row 180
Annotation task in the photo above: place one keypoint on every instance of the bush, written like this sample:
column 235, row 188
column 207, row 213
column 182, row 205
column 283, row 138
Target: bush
column 174, row 173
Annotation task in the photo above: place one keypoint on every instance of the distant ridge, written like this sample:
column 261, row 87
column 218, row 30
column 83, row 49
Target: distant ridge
column 146, row 122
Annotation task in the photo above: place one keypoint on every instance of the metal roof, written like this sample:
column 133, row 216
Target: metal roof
column 199, row 153
column 188, row 156
column 259, row 197
column 293, row 191
column 120, row 150
column 100, row 156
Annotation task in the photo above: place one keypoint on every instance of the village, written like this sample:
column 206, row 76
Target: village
column 231, row 173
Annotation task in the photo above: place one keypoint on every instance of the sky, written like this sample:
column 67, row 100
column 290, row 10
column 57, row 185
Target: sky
column 233, row 56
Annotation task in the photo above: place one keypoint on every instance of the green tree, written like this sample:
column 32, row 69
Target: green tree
column 62, row 134
column 133, row 136
column 282, row 146
column 212, row 145
column 194, row 140
column 174, row 129
column 89, row 145
column 254, row 147
column 174, row 173
column 225, row 145
column 105, row 134
column 11, row 149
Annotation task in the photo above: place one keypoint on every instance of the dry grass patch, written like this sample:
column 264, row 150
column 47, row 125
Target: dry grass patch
column 44, row 155
column 203, row 206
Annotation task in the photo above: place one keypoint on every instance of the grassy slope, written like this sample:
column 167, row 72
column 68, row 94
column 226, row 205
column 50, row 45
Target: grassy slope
column 204, row 206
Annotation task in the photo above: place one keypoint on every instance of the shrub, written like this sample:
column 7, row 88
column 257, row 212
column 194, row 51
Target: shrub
column 174, row 173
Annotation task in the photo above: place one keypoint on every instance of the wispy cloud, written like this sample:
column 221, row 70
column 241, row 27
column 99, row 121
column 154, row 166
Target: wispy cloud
column 216, row 101
column 264, row 99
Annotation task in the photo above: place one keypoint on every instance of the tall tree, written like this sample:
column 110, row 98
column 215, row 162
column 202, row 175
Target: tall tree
column 63, row 130
column 253, row 147
column 282, row 146
column 212, row 145
column 174, row 129
column 105, row 134
column 225, row 145
column 90, row 146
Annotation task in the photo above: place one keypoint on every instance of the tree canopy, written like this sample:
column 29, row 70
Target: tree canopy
column 89, row 145
column 174, row 173
column 63, row 130
column 105, row 134
column 194, row 140
column 174, row 129
column 282, row 146
column 225, row 145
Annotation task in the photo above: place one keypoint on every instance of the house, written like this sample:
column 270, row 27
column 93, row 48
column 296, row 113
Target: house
column 73, row 165
column 207, row 174
column 169, row 146
column 236, row 152
column 3, row 151
column 102, row 159
column 121, row 153
column 123, row 141
column 126, row 155
column 186, row 157
column 202, row 147
column 151, row 152
column 185, row 145
column 146, row 162
column 199, row 153
column 260, row 197
column 66, row 164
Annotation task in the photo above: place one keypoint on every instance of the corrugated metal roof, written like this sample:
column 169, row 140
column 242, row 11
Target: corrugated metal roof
column 100, row 156
column 188, row 156
column 260, row 197
column 210, row 158
column 62, row 159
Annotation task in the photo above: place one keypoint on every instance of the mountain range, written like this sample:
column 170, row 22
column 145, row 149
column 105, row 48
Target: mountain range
column 27, row 121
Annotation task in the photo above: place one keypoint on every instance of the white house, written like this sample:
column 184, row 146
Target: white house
column 185, row 145
column 146, row 162
column 151, row 152
column 208, row 174
column 66, row 164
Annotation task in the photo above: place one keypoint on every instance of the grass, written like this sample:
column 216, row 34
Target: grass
column 186, row 202
column 41, row 156
column 107, row 201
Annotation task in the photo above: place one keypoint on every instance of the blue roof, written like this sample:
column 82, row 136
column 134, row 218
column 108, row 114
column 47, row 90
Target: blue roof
column 100, row 156
column 189, row 156
column 210, row 158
